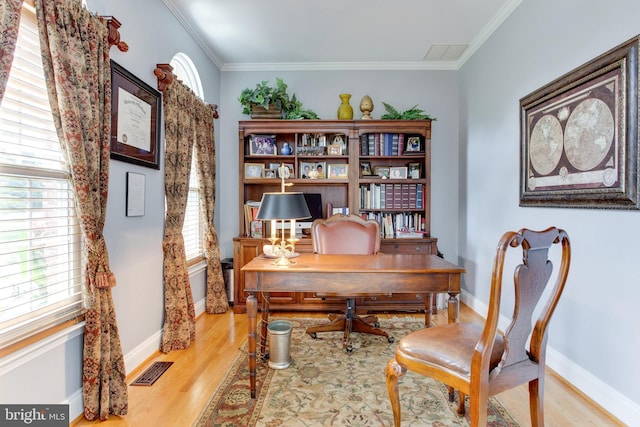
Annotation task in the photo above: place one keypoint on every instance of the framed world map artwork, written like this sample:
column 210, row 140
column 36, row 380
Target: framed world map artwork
column 579, row 136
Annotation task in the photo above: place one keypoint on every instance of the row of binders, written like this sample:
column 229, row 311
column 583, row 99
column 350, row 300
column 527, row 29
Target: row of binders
column 392, row 196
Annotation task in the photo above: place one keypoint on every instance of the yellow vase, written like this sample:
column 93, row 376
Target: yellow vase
column 345, row 110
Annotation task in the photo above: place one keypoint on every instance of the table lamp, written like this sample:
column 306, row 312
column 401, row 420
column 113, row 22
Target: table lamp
column 283, row 207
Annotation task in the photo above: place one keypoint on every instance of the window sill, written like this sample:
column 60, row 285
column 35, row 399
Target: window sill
column 25, row 351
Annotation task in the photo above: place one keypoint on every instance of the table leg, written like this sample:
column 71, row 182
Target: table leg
column 264, row 324
column 252, row 313
column 454, row 307
column 428, row 309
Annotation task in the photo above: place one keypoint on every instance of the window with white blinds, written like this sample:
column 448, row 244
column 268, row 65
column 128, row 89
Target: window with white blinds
column 41, row 271
column 193, row 227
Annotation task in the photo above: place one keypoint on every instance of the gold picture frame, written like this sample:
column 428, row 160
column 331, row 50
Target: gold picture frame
column 338, row 171
column 334, row 150
column 253, row 170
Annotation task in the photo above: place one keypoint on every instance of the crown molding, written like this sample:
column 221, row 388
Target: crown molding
column 175, row 10
column 488, row 30
column 341, row 66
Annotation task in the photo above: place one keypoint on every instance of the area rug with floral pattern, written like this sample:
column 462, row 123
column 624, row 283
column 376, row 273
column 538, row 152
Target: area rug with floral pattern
column 326, row 386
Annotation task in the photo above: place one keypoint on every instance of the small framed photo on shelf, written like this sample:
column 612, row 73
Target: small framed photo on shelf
column 415, row 170
column 398, row 172
column 253, row 170
column 289, row 166
column 262, row 145
column 321, row 168
column 413, row 145
column 381, row 171
column 269, row 173
column 335, row 150
column 365, row 169
column 338, row 170
column 256, row 229
column 305, row 169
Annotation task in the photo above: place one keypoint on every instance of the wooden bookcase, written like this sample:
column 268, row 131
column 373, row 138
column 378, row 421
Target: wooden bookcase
column 347, row 152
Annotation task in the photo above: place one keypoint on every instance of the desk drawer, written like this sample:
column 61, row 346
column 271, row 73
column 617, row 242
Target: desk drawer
column 401, row 298
column 409, row 246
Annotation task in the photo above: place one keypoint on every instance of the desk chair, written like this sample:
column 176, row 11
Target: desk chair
column 347, row 234
column 479, row 361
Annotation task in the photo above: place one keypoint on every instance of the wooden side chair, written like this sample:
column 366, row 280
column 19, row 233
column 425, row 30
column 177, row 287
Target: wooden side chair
column 479, row 361
column 352, row 235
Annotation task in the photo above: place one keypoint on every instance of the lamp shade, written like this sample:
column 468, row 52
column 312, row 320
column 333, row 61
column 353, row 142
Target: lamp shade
column 283, row 206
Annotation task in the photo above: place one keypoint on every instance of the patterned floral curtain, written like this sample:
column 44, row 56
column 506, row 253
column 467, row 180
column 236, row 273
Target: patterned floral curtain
column 75, row 54
column 217, row 301
column 179, row 313
column 9, row 24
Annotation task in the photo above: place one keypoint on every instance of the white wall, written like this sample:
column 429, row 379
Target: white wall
column 435, row 92
column 593, row 336
column 50, row 372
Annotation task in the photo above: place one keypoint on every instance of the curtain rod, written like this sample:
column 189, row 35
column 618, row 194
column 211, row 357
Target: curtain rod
column 164, row 73
column 114, row 34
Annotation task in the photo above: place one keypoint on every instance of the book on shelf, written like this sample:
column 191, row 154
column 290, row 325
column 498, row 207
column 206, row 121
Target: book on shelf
column 383, row 144
column 399, row 225
column 340, row 210
column 408, row 234
column 251, row 208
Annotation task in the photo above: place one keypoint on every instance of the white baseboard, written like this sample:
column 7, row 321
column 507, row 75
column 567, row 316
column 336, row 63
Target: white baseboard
column 132, row 359
column 608, row 398
column 76, row 404
column 141, row 353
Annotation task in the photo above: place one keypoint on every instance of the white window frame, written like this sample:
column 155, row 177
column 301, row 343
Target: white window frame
column 41, row 272
column 193, row 227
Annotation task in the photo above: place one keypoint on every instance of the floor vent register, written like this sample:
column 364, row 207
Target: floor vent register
column 152, row 373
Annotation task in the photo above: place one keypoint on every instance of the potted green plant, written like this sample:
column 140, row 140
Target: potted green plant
column 413, row 113
column 294, row 111
column 266, row 101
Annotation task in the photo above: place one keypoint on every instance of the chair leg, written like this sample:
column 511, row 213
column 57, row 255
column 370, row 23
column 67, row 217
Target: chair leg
column 451, row 393
column 461, row 400
column 369, row 318
column 392, row 372
column 337, row 324
column 358, row 325
column 349, row 322
column 478, row 407
column 536, row 402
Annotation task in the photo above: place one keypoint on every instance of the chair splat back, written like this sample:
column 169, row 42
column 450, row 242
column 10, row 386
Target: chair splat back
column 531, row 278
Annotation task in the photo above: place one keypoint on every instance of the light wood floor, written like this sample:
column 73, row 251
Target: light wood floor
column 179, row 395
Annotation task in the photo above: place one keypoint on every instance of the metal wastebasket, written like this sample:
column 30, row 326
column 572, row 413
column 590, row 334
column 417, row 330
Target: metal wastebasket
column 279, row 335
column 227, row 275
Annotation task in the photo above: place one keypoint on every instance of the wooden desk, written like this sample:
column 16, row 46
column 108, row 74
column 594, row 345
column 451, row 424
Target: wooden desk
column 351, row 275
